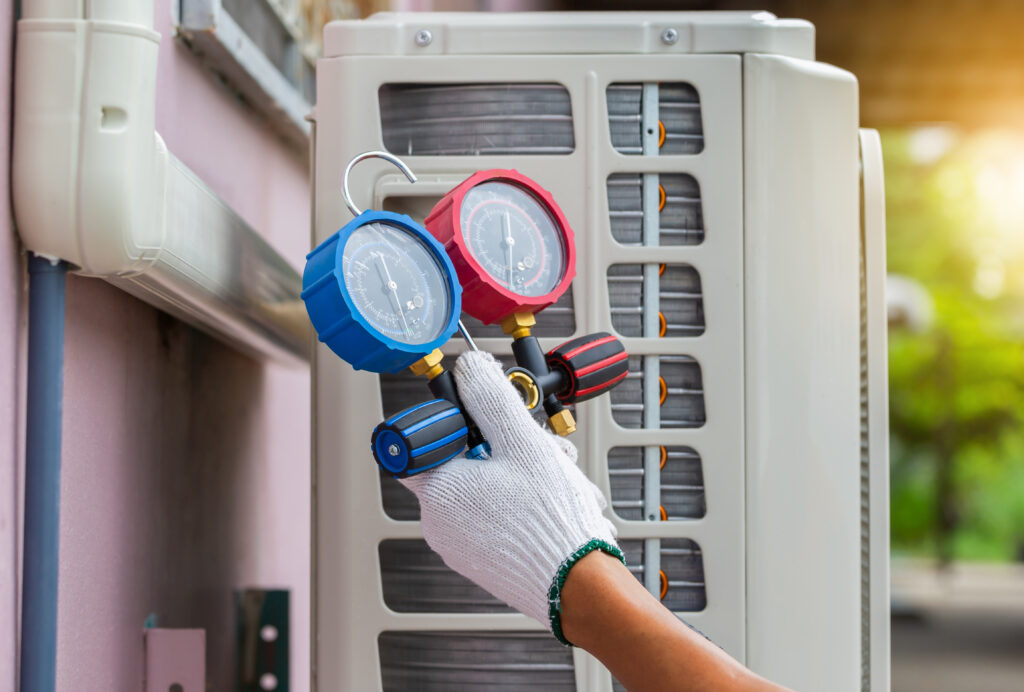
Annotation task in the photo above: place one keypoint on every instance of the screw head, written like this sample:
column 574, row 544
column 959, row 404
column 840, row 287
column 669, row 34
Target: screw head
column 669, row 36
column 424, row 37
column 393, row 450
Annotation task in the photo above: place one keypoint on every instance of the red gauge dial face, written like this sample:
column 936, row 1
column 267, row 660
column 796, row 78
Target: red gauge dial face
column 514, row 238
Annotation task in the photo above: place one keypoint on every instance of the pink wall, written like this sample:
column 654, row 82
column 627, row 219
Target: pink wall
column 185, row 463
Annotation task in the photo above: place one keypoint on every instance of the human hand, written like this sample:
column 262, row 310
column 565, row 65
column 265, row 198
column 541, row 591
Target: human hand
column 517, row 522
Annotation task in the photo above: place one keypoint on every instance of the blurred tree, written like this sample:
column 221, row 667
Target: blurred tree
column 957, row 400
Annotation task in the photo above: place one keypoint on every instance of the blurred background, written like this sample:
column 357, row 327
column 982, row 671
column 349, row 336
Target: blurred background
column 943, row 80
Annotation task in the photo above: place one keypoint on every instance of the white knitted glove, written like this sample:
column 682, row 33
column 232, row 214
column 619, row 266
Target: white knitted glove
column 517, row 522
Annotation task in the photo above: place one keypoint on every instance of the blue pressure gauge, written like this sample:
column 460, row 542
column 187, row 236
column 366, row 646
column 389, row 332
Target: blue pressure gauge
column 381, row 292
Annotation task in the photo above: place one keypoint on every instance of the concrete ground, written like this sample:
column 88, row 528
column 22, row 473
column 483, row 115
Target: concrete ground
column 957, row 631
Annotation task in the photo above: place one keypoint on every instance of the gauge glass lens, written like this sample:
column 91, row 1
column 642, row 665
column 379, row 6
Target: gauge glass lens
column 396, row 283
column 514, row 237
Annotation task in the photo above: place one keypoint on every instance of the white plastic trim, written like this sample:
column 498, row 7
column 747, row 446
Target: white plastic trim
column 93, row 183
column 873, row 221
column 561, row 33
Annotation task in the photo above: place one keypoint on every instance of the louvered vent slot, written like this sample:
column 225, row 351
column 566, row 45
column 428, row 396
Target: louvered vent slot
column 626, row 207
column 399, row 392
column 682, row 567
column 625, row 119
column 681, row 394
column 680, row 478
column 680, row 130
column 679, row 112
column 416, row 580
column 680, row 216
column 558, row 320
column 682, row 387
column 680, row 302
column 474, row 662
column 475, row 119
column 627, row 399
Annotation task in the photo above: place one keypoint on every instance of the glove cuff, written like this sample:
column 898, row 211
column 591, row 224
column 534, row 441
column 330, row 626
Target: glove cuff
column 555, row 592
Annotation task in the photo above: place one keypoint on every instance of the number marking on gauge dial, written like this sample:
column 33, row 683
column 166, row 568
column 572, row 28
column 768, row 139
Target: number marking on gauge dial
column 396, row 284
column 510, row 243
column 513, row 238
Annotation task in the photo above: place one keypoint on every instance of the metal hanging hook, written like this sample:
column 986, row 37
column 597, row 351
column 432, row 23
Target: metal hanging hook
column 390, row 158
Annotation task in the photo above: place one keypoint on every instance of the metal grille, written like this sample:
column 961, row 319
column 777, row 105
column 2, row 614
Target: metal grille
column 475, row 662
column 681, row 483
column 682, row 565
column 555, row 320
column 475, row 119
column 399, row 502
column 682, row 401
column 680, row 213
column 416, row 580
column 679, row 117
column 680, row 302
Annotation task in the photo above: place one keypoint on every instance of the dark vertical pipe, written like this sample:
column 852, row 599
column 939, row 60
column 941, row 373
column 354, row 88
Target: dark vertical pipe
column 42, row 474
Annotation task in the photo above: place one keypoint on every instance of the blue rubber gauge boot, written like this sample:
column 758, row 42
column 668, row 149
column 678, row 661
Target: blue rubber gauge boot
column 381, row 292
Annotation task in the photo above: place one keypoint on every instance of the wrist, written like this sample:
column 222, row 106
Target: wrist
column 608, row 612
column 593, row 547
column 596, row 591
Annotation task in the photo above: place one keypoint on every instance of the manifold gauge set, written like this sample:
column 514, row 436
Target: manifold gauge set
column 384, row 293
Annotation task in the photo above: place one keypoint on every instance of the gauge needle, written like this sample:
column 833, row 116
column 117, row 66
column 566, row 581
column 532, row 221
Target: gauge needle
column 390, row 283
column 509, row 242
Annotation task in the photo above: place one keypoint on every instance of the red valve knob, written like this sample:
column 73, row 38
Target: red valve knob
column 593, row 363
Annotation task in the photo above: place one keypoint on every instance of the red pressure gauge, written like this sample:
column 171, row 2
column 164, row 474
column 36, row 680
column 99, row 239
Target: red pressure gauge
column 511, row 245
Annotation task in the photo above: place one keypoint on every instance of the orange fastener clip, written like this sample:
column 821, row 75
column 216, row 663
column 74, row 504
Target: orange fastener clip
column 664, row 584
column 661, row 192
column 664, row 389
column 664, row 457
column 661, row 269
column 662, row 324
column 661, row 134
column 664, row 514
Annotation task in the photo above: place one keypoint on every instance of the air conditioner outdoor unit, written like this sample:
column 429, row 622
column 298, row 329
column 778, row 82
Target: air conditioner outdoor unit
column 729, row 228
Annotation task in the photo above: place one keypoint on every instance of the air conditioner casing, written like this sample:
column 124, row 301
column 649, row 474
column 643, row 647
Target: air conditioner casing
column 776, row 543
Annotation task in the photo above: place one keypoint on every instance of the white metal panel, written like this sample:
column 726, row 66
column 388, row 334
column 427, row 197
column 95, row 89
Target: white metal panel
column 873, row 222
column 349, row 516
column 802, row 373
column 780, row 339
column 560, row 33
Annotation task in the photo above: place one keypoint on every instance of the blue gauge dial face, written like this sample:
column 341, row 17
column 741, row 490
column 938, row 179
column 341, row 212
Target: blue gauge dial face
column 396, row 283
column 513, row 237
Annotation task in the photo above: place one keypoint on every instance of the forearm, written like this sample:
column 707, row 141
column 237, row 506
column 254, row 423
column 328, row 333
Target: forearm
column 609, row 613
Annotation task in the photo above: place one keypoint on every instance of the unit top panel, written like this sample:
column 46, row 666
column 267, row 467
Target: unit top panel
column 555, row 33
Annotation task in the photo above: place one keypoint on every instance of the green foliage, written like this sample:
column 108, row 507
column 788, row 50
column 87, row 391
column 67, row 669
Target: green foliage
column 957, row 386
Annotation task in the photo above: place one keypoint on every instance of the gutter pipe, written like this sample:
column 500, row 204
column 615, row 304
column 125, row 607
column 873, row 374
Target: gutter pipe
column 42, row 474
